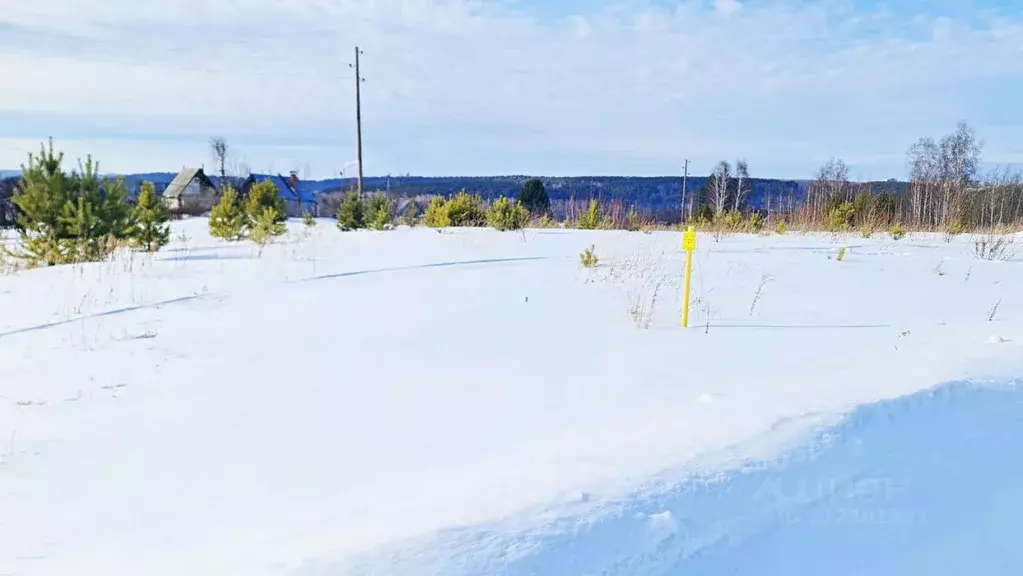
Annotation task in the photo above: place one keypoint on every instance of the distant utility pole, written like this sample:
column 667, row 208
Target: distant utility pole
column 358, row 113
column 685, row 176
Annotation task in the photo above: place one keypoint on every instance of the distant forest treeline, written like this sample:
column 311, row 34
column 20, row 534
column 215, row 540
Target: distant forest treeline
column 660, row 196
column 946, row 190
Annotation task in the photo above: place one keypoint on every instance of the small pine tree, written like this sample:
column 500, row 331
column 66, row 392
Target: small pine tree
column 308, row 220
column 897, row 231
column 507, row 214
column 705, row 213
column 81, row 225
column 265, row 227
column 592, row 218
column 437, row 215
column 68, row 218
column 862, row 205
column 350, row 213
column 730, row 221
column 263, row 196
column 839, row 216
column 534, row 198
column 588, row 258
column 884, row 207
column 108, row 200
column 151, row 228
column 547, row 222
column 754, row 222
column 115, row 213
column 632, row 219
column 780, row 227
column 41, row 193
column 466, row 210
column 227, row 220
column 378, row 212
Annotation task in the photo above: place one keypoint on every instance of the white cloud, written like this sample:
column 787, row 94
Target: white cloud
column 942, row 29
column 727, row 7
column 466, row 86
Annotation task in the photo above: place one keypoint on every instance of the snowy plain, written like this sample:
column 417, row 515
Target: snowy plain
column 473, row 402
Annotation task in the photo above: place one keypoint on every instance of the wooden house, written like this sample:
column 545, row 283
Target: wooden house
column 191, row 192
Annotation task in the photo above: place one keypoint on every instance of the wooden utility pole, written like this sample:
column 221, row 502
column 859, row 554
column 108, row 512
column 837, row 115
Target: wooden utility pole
column 685, row 176
column 358, row 114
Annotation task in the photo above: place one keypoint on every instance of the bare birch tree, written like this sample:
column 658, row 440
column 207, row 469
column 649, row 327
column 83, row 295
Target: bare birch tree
column 960, row 157
column 923, row 175
column 219, row 149
column 718, row 187
column 998, row 201
column 832, row 180
column 941, row 175
column 743, row 185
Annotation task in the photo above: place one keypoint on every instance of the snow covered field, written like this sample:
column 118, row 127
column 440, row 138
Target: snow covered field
column 472, row 402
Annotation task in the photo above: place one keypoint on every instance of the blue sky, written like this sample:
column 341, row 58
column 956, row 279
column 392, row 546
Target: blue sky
column 546, row 87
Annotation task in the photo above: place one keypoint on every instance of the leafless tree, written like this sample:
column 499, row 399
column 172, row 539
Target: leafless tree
column 237, row 168
column 998, row 200
column 742, row 184
column 832, row 180
column 941, row 175
column 718, row 187
column 923, row 175
column 959, row 160
column 219, row 149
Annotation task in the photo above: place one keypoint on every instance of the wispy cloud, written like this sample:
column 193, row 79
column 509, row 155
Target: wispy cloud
column 466, row 86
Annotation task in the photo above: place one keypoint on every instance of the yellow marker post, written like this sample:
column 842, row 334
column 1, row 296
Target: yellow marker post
column 688, row 244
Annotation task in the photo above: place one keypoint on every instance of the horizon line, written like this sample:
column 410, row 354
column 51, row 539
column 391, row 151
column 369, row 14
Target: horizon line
column 14, row 171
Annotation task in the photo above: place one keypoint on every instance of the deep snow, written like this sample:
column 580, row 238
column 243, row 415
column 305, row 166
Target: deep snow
column 472, row 402
column 917, row 485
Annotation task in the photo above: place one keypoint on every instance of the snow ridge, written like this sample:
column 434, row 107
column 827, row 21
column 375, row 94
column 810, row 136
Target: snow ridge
column 885, row 490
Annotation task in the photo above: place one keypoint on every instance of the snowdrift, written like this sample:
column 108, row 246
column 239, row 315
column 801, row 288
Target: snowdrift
column 924, row 484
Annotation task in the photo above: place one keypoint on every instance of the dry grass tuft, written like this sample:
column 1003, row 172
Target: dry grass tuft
column 994, row 247
column 643, row 276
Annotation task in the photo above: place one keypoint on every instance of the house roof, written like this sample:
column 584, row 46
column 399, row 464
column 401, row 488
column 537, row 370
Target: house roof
column 283, row 190
column 237, row 182
column 316, row 186
column 306, row 192
column 182, row 180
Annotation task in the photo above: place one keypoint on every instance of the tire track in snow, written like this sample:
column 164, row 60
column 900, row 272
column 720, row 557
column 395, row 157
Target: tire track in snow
column 423, row 266
column 115, row 312
column 194, row 297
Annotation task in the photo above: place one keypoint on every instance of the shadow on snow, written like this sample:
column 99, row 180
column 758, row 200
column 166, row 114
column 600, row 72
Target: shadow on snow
column 129, row 309
column 926, row 484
